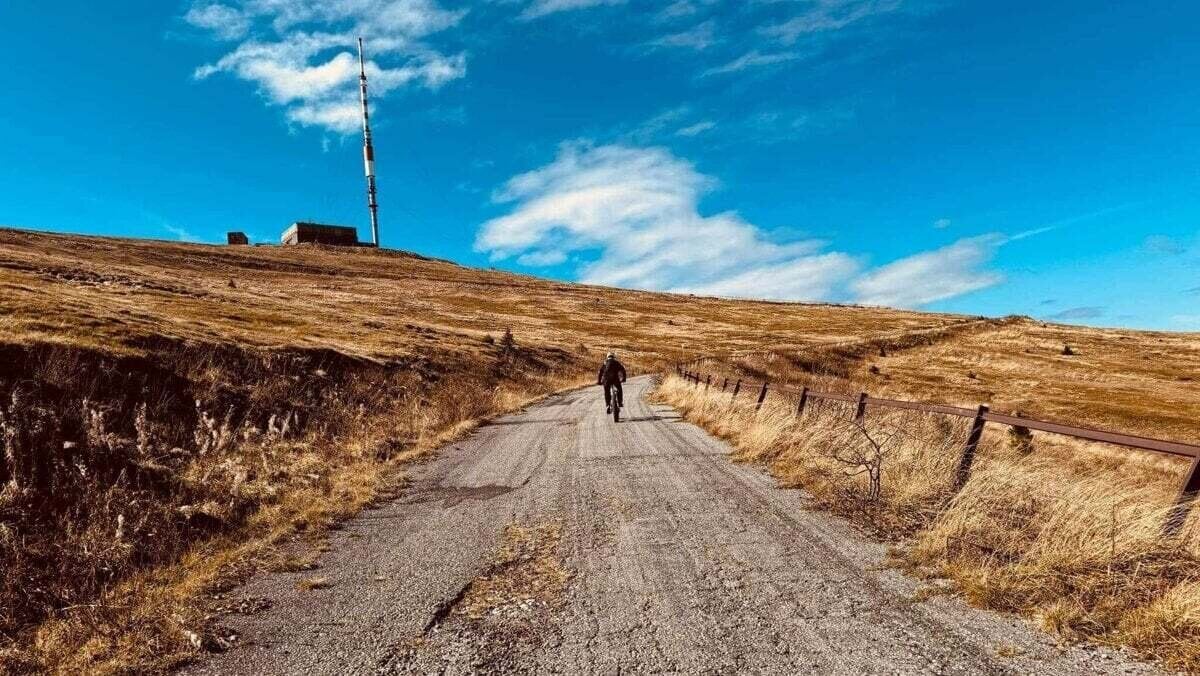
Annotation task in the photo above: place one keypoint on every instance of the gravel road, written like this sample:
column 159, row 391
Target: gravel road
column 556, row 541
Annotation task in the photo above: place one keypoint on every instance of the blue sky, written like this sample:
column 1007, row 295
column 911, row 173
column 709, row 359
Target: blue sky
column 1035, row 158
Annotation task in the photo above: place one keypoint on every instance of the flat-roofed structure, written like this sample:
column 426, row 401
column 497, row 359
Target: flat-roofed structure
column 320, row 233
column 235, row 238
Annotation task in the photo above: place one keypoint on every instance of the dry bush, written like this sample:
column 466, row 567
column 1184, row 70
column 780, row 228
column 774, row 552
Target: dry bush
column 114, row 468
column 1071, row 534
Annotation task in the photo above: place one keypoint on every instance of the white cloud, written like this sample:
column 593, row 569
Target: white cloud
column 697, row 129
column 342, row 117
column 751, row 59
column 828, row 15
column 931, row 275
column 675, row 10
column 303, row 54
column 637, row 211
column 942, row 223
column 181, row 234
column 698, row 38
column 632, row 215
column 224, row 21
column 542, row 258
column 540, row 8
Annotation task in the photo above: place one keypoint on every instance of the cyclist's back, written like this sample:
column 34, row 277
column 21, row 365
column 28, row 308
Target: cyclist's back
column 612, row 374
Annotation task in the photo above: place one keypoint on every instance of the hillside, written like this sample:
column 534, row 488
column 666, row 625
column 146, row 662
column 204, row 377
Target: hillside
column 108, row 292
column 173, row 411
column 112, row 294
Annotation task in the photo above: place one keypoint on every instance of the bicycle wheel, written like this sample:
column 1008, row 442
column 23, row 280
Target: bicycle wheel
column 616, row 412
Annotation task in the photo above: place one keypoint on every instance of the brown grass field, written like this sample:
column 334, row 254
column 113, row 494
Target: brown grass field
column 1066, row 531
column 176, row 415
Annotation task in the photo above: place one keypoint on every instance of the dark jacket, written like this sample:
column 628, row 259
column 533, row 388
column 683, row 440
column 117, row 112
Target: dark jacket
column 611, row 371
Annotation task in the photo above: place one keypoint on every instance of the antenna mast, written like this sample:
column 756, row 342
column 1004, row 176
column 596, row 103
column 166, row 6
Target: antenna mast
column 368, row 148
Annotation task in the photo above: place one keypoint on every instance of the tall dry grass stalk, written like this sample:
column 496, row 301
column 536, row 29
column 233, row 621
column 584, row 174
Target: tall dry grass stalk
column 1065, row 532
column 132, row 488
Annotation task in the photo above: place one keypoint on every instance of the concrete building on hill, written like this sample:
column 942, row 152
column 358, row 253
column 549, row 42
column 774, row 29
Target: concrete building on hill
column 320, row 233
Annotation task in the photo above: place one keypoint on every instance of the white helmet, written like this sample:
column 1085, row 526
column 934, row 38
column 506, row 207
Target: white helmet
column 611, row 355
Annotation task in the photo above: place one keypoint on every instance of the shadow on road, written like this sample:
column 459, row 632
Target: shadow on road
column 492, row 423
column 649, row 418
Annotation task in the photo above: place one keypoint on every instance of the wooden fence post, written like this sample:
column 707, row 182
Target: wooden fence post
column 860, row 410
column 968, row 453
column 724, row 384
column 803, row 401
column 707, row 382
column 1183, row 504
column 761, row 396
column 736, row 388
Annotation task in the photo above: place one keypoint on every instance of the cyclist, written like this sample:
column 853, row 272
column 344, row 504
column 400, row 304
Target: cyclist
column 612, row 374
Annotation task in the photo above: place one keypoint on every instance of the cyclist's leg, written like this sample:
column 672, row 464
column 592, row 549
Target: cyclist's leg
column 607, row 395
column 620, row 394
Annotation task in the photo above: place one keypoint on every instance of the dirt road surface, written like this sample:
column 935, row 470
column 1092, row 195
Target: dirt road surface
column 555, row 541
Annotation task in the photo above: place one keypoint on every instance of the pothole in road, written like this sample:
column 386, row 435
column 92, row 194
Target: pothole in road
column 526, row 573
column 506, row 613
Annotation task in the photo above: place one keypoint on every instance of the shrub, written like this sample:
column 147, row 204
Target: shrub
column 1020, row 439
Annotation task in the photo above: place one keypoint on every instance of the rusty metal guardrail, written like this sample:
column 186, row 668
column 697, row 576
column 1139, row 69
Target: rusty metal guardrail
column 1188, row 491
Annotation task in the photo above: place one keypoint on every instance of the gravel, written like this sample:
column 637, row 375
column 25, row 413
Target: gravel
column 680, row 561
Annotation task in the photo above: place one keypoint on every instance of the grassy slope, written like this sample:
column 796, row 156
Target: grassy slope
column 1064, row 531
column 363, row 302
column 1141, row 382
column 426, row 328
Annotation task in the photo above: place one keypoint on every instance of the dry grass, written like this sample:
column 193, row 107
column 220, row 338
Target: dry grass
column 1138, row 382
column 205, row 421
column 319, row 371
column 87, row 537
column 377, row 304
column 1067, row 532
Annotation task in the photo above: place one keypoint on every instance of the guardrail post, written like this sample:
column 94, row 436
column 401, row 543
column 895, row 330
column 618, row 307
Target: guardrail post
column 803, row 401
column 1183, row 504
column 761, row 396
column 860, row 410
column 736, row 388
column 968, row 453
